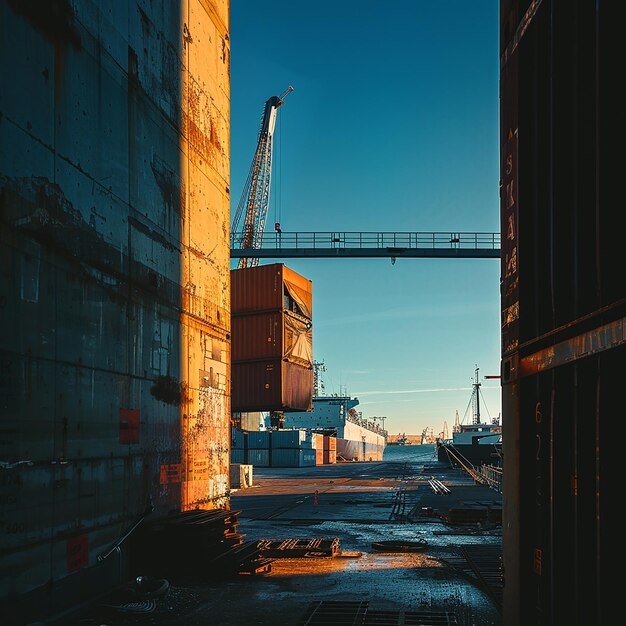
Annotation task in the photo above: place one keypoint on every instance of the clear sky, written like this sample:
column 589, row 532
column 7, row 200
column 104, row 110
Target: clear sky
column 392, row 125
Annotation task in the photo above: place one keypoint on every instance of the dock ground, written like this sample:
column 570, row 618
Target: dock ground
column 454, row 580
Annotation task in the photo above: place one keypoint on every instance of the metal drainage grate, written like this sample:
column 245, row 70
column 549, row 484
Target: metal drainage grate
column 358, row 614
column 410, row 618
column 321, row 612
column 486, row 563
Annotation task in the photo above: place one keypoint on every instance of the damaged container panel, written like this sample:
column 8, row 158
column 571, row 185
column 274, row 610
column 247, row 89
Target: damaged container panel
column 270, row 288
column 274, row 335
column 271, row 386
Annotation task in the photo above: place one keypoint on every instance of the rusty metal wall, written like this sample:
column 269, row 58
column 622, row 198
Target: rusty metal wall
column 114, row 278
column 563, row 309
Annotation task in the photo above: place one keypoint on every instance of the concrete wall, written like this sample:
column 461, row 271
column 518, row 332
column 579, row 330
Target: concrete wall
column 114, row 276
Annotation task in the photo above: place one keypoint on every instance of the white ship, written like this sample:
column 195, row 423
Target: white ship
column 358, row 438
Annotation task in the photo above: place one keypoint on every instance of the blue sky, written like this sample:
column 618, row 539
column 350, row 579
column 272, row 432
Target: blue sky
column 392, row 125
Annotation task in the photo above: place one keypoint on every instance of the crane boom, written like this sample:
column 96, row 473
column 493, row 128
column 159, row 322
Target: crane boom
column 255, row 198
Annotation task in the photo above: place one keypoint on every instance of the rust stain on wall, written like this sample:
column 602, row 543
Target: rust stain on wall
column 205, row 320
column 114, row 276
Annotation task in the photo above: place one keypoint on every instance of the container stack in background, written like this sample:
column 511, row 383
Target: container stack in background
column 282, row 448
column 272, row 345
column 330, row 450
column 258, row 448
column 292, row 448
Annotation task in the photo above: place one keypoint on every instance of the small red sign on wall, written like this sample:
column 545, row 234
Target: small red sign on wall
column 129, row 425
column 171, row 473
column 77, row 552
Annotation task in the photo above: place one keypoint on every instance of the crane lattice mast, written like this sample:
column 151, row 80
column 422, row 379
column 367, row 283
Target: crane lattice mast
column 476, row 399
column 255, row 198
column 318, row 381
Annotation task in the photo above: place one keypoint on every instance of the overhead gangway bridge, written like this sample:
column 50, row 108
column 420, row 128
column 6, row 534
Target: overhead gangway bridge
column 394, row 245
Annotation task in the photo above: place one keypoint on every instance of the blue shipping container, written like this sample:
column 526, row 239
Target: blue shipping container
column 291, row 438
column 258, row 439
column 259, row 457
column 236, row 438
column 293, row 457
column 237, row 455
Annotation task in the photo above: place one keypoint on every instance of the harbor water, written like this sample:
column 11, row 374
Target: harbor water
column 424, row 454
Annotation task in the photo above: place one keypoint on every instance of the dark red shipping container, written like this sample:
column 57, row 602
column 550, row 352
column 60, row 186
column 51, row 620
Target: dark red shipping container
column 272, row 335
column 274, row 385
column 270, row 288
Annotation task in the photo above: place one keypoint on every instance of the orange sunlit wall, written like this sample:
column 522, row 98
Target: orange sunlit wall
column 205, row 273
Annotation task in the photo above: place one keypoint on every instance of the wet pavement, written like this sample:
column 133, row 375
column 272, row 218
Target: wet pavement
column 454, row 580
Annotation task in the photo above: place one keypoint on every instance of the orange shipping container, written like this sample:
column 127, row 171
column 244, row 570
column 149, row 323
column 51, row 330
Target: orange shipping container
column 273, row 335
column 274, row 385
column 270, row 288
column 330, row 443
column 319, row 456
column 330, row 457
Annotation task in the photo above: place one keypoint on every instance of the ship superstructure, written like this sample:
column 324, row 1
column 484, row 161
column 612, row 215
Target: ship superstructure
column 358, row 438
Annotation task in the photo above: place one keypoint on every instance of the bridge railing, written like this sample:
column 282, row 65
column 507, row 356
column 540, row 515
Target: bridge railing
column 375, row 240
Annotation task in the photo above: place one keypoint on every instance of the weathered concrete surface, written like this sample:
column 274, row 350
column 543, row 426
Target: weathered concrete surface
column 355, row 504
column 114, row 280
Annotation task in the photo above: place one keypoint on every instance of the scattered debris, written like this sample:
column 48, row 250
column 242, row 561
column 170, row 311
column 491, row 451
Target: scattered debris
column 293, row 548
column 438, row 487
column 400, row 546
column 188, row 541
column 349, row 555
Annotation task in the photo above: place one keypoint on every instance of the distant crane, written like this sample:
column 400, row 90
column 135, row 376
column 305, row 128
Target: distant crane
column 457, row 424
column 380, row 417
column 426, row 435
column 254, row 202
column 318, row 382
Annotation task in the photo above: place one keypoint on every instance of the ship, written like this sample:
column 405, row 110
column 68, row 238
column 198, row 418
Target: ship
column 475, row 443
column 358, row 438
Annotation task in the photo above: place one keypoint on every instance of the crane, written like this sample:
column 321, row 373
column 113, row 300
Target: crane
column 457, row 424
column 255, row 198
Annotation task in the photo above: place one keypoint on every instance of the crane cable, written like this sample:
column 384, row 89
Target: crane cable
column 278, row 184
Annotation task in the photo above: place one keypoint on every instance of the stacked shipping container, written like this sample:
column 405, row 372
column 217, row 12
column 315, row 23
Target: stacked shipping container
column 282, row 448
column 330, row 450
column 272, row 351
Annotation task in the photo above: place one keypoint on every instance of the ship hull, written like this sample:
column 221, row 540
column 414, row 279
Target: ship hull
column 476, row 454
column 356, row 443
column 358, row 439
column 351, row 450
